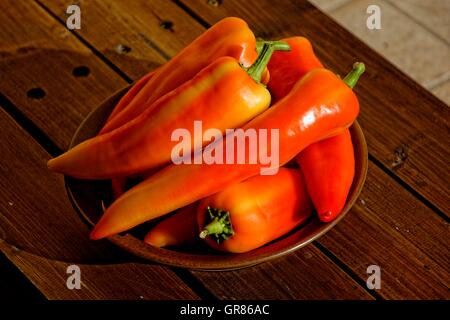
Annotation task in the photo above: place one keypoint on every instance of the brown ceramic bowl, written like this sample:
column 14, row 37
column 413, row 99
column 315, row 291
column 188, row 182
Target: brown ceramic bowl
column 87, row 197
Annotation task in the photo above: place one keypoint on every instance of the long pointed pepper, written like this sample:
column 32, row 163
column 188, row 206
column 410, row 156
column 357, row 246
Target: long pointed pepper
column 223, row 95
column 229, row 37
column 319, row 106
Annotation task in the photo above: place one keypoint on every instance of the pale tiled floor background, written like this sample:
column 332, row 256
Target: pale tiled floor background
column 415, row 36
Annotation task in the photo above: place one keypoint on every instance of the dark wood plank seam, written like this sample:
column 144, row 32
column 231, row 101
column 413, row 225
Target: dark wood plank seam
column 29, row 126
column 192, row 282
column 32, row 291
column 347, row 270
column 410, row 189
column 378, row 163
column 190, row 12
column 88, row 45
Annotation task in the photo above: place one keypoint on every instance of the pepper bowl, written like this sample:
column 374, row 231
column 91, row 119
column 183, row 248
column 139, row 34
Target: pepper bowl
column 89, row 197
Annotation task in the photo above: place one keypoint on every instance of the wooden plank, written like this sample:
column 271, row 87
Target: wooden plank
column 136, row 12
column 146, row 29
column 38, row 55
column 390, row 228
column 308, row 274
column 130, row 281
column 14, row 286
column 405, row 126
column 33, row 202
column 36, row 217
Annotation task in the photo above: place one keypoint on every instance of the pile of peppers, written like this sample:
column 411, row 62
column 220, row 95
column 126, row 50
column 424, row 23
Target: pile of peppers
column 227, row 79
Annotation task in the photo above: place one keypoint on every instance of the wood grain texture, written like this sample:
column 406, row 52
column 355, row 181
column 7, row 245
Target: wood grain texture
column 314, row 259
column 390, row 228
column 150, row 30
column 33, row 201
column 14, row 286
column 128, row 281
column 36, row 217
column 405, row 125
column 307, row 274
column 367, row 236
column 37, row 52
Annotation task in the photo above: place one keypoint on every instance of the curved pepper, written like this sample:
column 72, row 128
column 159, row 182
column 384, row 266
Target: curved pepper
column 319, row 106
column 222, row 96
column 249, row 214
column 178, row 229
column 328, row 165
column 130, row 94
column 229, row 37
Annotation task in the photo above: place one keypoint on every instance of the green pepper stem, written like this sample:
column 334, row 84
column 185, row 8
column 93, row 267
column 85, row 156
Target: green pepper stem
column 352, row 77
column 280, row 45
column 219, row 226
column 214, row 227
column 256, row 70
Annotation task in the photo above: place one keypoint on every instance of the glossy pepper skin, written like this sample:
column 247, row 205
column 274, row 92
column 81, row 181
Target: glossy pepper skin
column 229, row 37
column 223, row 95
column 286, row 68
column 178, row 229
column 249, row 214
column 130, row 94
column 328, row 165
column 329, row 168
column 319, row 106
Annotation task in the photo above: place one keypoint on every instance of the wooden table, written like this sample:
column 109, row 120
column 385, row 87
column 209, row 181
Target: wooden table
column 50, row 78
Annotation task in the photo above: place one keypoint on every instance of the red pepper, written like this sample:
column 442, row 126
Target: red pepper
column 319, row 106
column 178, row 229
column 328, row 165
column 286, row 68
column 247, row 215
column 329, row 168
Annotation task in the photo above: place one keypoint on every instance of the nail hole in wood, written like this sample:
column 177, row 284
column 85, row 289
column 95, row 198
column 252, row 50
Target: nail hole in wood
column 36, row 93
column 214, row 3
column 81, row 71
column 122, row 49
column 166, row 25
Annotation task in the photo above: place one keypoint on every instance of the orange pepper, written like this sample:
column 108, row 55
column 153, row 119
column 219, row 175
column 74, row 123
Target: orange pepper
column 178, row 229
column 129, row 96
column 229, row 37
column 319, row 106
column 328, row 165
column 223, row 95
column 247, row 215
